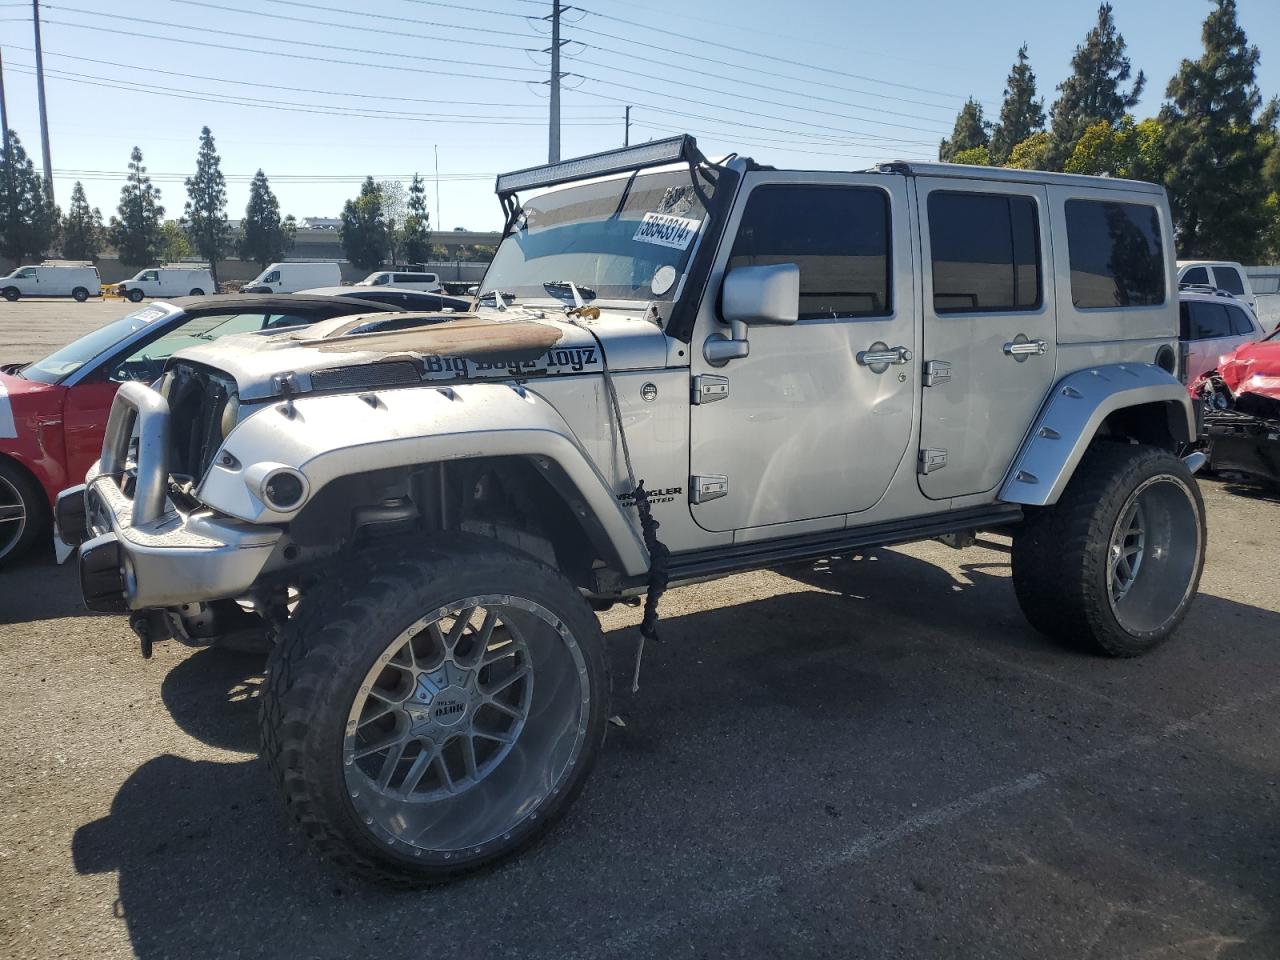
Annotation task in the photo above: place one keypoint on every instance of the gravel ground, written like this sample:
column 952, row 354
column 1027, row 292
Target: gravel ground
column 869, row 757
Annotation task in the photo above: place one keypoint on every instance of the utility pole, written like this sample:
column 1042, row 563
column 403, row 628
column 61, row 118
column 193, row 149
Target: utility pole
column 626, row 130
column 553, row 143
column 44, row 115
column 436, row 148
column 8, row 148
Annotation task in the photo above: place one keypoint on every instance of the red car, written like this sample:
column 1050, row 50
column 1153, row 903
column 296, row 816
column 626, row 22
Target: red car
column 53, row 412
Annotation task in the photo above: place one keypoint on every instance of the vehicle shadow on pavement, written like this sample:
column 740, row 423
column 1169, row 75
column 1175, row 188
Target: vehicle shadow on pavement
column 765, row 736
column 35, row 588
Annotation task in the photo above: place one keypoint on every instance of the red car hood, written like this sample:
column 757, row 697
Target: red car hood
column 22, row 403
column 1253, row 368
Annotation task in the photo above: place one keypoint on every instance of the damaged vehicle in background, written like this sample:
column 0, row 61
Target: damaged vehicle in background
column 1242, row 410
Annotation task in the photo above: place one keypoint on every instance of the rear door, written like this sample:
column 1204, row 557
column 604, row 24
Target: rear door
column 989, row 328
column 1209, row 333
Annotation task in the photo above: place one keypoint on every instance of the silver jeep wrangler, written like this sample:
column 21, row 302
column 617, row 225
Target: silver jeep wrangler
column 675, row 369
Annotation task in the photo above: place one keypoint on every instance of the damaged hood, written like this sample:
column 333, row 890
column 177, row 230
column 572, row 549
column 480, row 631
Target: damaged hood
column 403, row 349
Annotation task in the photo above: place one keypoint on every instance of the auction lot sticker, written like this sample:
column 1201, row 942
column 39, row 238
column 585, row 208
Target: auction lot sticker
column 667, row 231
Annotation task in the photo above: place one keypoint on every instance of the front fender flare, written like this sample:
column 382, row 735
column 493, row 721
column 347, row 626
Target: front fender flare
column 1070, row 418
column 326, row 437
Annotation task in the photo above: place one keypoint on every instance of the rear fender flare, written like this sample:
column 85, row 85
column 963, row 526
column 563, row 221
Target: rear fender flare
column 1072, row 415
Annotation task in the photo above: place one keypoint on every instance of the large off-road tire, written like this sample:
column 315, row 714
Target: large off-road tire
column 135, row 296
column 1115, row 564
column 414, row 741
column 24, row 512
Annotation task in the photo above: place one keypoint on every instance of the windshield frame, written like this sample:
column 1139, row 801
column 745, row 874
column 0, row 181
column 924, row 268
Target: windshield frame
column 697, row 176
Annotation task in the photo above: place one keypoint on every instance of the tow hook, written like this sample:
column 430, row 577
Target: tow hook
column 150, row 626
column 1195, row 460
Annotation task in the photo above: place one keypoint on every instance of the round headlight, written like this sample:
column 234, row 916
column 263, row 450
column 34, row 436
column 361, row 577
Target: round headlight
column 282, row 490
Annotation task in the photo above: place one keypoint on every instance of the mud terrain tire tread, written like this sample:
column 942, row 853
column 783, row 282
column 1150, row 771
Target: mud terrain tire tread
column 1059, row 551
column 331, row 636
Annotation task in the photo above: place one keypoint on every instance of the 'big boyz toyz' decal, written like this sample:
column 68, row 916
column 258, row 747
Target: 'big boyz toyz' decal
column 557, row 360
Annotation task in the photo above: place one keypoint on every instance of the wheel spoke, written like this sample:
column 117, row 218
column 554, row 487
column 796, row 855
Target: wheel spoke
column 383, row 744
column 442, row 771
column 484, row 636
column 469, row 754
column 488, row 735
column 386, row 709
column 498, row 686
column 391, row 761
column 459, row 628
column 416, row 771
column 12, row 513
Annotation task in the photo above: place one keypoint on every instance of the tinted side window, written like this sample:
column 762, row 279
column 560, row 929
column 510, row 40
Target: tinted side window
column 1241, row 325
column 1229, row 280
column 986, row 252
column 838, row 236
column 1196, row 275
column 1117, row 259
column 1209, row 321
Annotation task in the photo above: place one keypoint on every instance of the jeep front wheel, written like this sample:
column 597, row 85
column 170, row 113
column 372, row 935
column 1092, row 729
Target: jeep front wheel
column 438, row 715
column 1116, row 562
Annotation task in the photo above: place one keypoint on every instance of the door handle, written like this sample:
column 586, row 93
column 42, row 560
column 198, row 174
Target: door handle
column 1021, row 349
column 879, row 355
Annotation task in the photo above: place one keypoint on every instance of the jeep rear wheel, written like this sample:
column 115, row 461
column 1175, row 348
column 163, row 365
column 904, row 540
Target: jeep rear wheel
column 437, row 716
column 1116, row 562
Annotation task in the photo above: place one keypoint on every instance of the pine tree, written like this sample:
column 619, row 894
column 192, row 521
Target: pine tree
column 28, row 219
column 136, row 231
column 1021, row 114
column 1093, row 91
column 971, row 131
column 205, row 213
column 263, row 237
column 417, row 225
column 1216, row 142
column 82, row 230
column 363, row 231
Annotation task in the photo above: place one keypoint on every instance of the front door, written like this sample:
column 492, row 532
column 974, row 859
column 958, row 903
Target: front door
column 989, row 329
column 815, row 420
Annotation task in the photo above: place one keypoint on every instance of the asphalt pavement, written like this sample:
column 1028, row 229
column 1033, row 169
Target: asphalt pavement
column 873, row 756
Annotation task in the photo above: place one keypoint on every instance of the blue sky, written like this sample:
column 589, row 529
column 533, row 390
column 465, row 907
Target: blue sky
column 810, row 83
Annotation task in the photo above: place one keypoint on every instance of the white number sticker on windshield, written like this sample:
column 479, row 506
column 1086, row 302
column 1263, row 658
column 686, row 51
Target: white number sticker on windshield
column 667, row 231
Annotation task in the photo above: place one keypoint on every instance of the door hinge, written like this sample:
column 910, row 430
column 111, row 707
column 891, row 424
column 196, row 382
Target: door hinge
column 936, row 372
column 711, row 486
column 931, row 460
column 708, row 388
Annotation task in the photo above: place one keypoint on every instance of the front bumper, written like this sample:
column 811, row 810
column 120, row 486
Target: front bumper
column 138, row 550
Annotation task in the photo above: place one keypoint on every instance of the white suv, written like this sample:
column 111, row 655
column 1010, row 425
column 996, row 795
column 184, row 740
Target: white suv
column 1213, row 325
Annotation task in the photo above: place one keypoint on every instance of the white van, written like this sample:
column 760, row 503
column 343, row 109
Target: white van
column 292, row 276
column 430, row 282
column 52, row 279
column 1221, row 275
column 168, row 281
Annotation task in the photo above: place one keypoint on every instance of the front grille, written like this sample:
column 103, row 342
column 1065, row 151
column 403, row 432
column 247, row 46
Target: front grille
column 366, row 376
column 198, row 400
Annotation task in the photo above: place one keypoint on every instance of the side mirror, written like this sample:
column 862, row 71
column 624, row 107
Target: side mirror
column 762, row 295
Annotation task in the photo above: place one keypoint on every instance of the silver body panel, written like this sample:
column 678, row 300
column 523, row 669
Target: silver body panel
column 821, row 425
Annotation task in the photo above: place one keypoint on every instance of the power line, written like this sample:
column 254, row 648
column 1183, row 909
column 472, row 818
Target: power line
column 187, row 75
column 747, row 52
column 363, row 29
column 740, row 141
column 275, row 53
column 286, row 105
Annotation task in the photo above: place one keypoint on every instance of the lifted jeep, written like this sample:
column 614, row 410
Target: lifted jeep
column 674, row 369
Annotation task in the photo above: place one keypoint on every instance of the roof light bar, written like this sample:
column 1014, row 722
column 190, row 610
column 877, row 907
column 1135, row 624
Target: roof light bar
column 652, row 154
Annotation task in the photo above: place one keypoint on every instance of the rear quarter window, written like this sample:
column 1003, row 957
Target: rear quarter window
column 1116, row 253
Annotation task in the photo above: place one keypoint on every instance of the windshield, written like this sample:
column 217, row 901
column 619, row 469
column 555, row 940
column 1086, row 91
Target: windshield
column 64, row 362
column 628, row 238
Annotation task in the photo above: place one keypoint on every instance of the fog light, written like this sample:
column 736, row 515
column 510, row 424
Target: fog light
column 283, row 490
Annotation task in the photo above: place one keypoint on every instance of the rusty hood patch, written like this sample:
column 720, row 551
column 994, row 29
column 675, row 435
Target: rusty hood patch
column 463, row 335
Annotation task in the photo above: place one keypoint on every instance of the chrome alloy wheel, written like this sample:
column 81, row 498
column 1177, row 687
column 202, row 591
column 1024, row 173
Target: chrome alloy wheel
column 465, row 724
column 13, row 516
column 1153, row 554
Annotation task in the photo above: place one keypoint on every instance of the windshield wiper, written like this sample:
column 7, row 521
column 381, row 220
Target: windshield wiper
column 580, row 294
